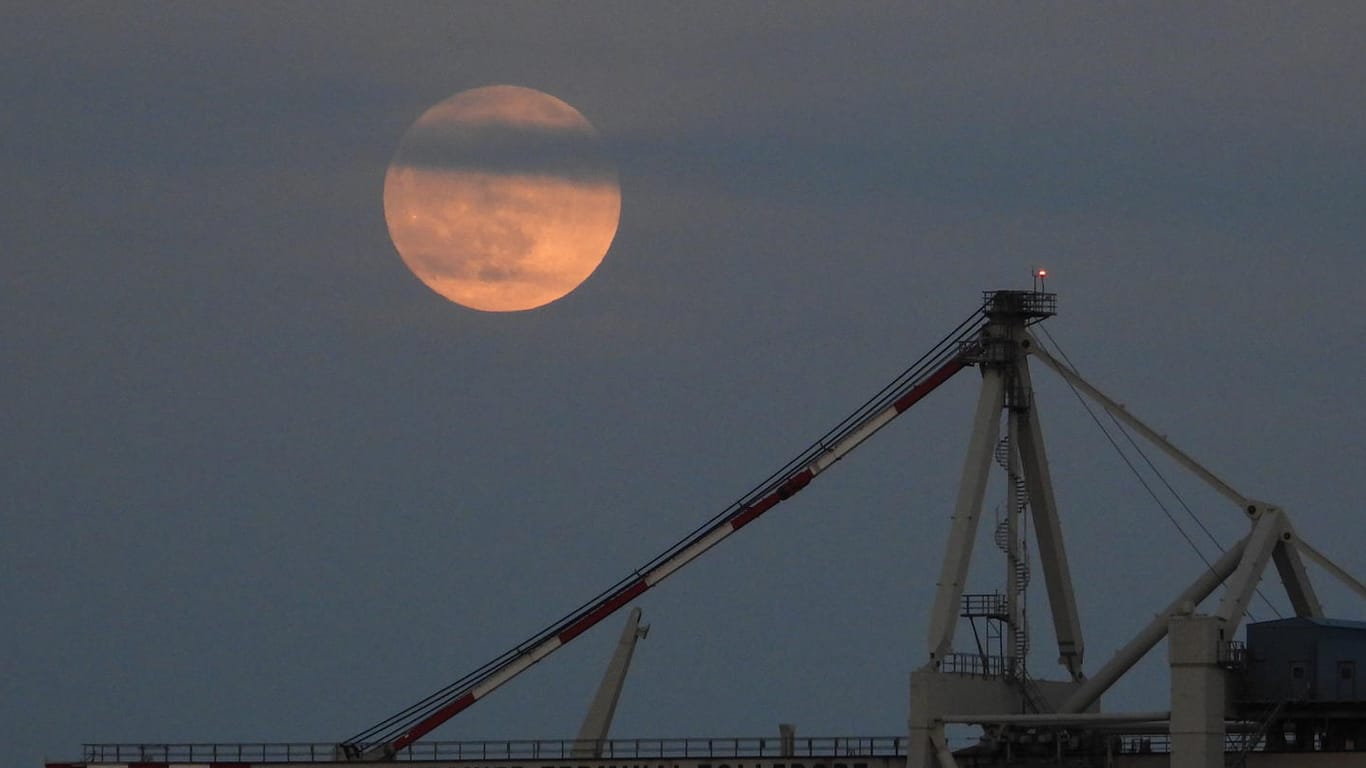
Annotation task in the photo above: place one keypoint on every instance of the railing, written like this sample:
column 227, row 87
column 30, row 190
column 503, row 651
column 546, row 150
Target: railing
column 1033, row 305
column 657, row 748
column 1233, row 654
column 528, row 750
column 977, row 665
column 1160, row 743
column 261, row 752
column 992, row 606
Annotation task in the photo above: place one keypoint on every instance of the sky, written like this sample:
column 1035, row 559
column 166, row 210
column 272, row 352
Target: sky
column 261, row 484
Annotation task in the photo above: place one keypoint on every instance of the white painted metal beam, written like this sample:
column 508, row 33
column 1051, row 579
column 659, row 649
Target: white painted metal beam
column 1076, row 718
column 1125, row 658
column 1332, row 567
column 1062, row 600
column 1119, row 412
column 967, row 511
column 598, row 722
column 1294, row 578
column 941, row 748
column 1266, row 534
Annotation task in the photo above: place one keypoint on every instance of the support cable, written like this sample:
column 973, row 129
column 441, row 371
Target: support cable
column 1142, row 481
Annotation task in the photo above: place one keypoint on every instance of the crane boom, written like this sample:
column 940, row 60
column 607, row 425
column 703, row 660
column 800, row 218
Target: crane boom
column 934, row 368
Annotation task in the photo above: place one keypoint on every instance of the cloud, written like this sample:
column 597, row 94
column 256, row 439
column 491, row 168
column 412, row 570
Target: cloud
column 505, row 149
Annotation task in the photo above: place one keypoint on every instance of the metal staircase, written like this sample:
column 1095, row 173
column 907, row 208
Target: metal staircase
column 1251, row 740
column 1017, row 558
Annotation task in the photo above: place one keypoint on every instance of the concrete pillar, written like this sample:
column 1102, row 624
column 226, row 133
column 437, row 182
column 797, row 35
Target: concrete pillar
column 1198, row 691
column 924, row 710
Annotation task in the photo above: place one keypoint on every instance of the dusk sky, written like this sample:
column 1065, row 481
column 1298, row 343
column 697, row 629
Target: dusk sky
column 262, row 484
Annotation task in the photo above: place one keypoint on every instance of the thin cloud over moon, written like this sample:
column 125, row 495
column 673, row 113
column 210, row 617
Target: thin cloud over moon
column 500, row 199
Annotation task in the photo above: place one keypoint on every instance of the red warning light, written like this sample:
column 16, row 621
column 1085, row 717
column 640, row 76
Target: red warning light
column 1041, row 273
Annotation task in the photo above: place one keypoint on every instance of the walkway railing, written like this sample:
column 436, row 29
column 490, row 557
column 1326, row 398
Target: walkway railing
column 527, row 750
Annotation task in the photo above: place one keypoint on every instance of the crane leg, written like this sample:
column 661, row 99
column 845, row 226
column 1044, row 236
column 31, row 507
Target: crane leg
column 966, row 513
column 599, row 719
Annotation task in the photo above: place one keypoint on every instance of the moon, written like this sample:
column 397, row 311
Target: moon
column 500, row 199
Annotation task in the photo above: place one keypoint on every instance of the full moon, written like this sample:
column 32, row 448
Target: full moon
column 500, row 199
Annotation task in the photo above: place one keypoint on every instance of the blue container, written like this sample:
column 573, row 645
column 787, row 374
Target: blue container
column 1306, row 660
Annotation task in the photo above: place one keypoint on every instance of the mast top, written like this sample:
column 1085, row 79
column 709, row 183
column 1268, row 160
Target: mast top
column 1027, row 306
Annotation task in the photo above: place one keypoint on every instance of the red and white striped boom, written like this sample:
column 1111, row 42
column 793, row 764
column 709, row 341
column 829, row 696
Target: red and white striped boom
column 934, row 368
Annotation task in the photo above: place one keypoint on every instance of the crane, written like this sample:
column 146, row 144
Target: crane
column 994, row 692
